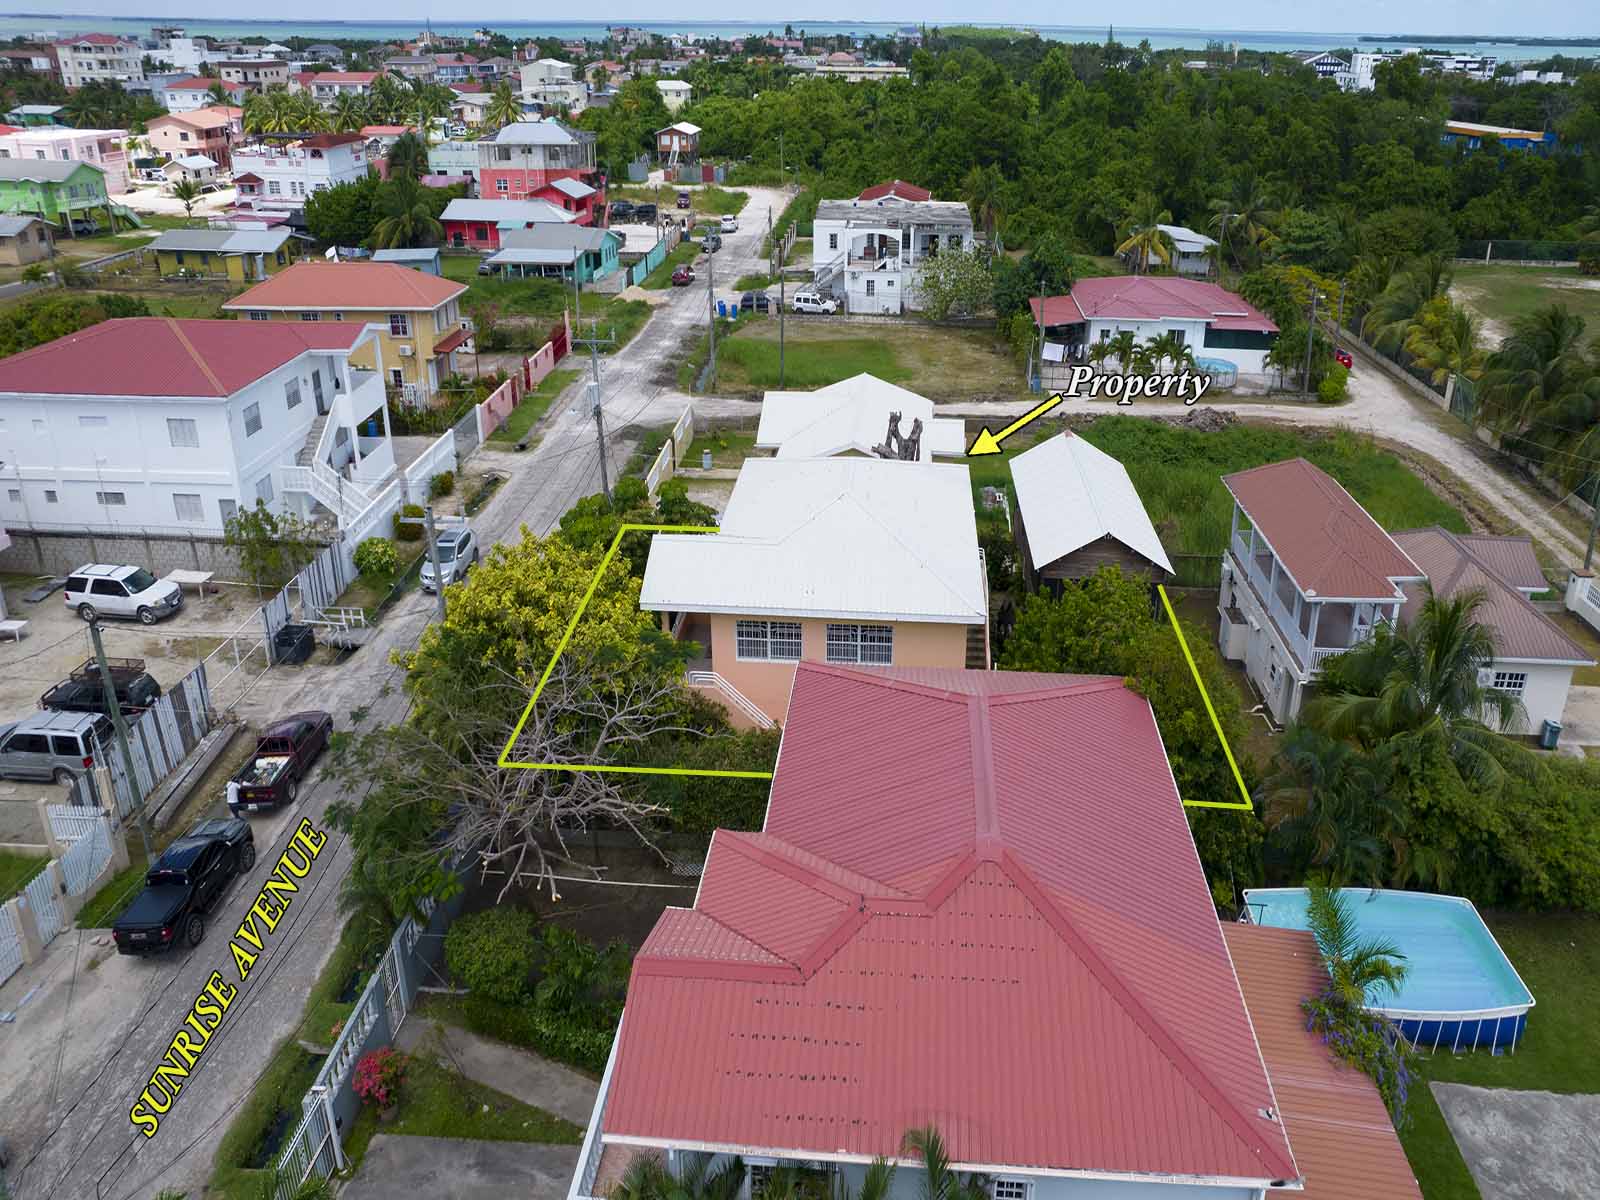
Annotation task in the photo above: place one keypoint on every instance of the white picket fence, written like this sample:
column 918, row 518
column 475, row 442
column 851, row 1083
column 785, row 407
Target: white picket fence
column 10, row 946
column 69, row 822
column 86, row 858
column 41, row 896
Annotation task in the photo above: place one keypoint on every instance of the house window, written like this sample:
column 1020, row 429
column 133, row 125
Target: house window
column 50, row 496
column 310, row 316
column 257, row 315
column 397, row 377
column 1009, row 1189
column 833, row 241
column 871, row 644
column 399, row 325
column 181, row 431
column 252, row 419
column 767, row 641
column 502, row 185
column 177, row 257
column 264, row 489
column 94, row 422
column 1510, row 681
column 273, row 187
column 227, row 510
column 111, row 498
column 871, row 287
column 187, row 506
column 14, row 495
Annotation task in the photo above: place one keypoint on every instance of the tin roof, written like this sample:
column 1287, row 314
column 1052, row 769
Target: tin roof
column 1510, row 557
column 1152, row 298
column 1326, row 541
column 506, row 213
column 1344, row 1142
column 898, row 188
column 44, row 170
column 1071, row 493
column 222, row 241
column 975, row 903
column 852, row 415
column 349, row 285
column 1454, row 565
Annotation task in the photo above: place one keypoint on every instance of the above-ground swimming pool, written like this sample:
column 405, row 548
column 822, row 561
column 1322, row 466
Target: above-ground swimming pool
column 1460, row 991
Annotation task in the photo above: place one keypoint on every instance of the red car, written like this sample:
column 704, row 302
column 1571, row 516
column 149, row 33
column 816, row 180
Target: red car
column 683, row 277
column 1342, row 357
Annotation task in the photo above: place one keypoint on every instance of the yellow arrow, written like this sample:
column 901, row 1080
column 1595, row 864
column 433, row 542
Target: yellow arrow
column 989, row 443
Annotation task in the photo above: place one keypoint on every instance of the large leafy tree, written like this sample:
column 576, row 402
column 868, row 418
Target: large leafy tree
column 344, row 215
column 408, row 157
column 1541, row 389
column 406, row 216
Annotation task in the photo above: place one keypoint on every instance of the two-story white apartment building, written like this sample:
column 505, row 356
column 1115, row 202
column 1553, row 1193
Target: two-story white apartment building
column 258, row 73
column 102, row 147
column 868, row 251
column 162, row 424
column 99, row 57
column 280, row 172
column 553, row 84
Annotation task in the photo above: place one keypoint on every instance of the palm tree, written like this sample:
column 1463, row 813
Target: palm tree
column 218, row 94
column 1358, row 967
column 1125, row 347
column 275, row 112
column 1443, row 340
column 1099, row 352
column 407, row 219
column 408, row 157
column 1142, row 235
column 647, row 1178
column 1388, row 321
column 939, row 1182
column 1423, row 681
column 348, row 114
column 1239, row 218
column 504, row 107
column 187, row 193
column 1540, row 386
column 386, row 100
column 875, row 1184
column 431, row 103
column 1169, row 346
column 982, row 188
column 307, row 116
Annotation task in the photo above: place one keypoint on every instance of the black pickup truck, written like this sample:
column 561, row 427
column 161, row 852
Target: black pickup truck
column 184, row 884
column 83, row 691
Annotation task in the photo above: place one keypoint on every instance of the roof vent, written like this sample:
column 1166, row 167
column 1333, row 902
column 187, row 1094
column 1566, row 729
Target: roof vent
column 1267, row 1113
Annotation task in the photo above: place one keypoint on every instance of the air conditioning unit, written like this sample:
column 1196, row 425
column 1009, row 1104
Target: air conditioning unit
column 1485, row 676
column 406, row 351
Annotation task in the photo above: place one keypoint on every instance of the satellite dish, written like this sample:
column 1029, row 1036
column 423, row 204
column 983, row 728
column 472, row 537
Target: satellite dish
column 331, row 254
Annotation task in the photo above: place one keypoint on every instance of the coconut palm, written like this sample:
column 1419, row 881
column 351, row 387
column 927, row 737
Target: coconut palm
column 218, row 94
column 1099, row 352
column 982, row 189
column 386, row 100
column 408, row 157
column 187, row 193
column 1360, row 968
column 1239, row 218
column 647, row 1178
column 407, row 218
column 1443, row 339
column 939, row 1182
column 431, row 103
column 1388, row 321
column 348, row 114
column 273, row 112
column 1540, row 385
column 1142, row 235
column 307, row 115
column 1169, row 347
column 504, row 107
column 1125, row 347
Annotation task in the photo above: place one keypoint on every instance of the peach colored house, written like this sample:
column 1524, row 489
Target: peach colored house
column 866, row 561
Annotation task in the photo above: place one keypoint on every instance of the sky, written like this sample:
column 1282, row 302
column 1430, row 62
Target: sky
column 1545, row 18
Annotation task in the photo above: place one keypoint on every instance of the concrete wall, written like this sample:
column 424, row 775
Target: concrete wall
column 33, row 553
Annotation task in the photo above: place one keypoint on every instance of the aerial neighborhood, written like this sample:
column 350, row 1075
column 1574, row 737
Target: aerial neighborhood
column 736, row 612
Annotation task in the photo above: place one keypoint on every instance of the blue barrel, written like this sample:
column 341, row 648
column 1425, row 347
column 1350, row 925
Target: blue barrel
column 722, row 308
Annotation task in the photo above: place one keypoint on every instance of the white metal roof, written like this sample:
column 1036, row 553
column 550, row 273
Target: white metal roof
column 1071, row 493
column 505, row 212
column 1187, row 240
column 852, row 415
column 855, row 538
column 575, row 188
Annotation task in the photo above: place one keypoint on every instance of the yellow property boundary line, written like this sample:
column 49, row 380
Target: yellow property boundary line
column 505, row 754
column 506, row 760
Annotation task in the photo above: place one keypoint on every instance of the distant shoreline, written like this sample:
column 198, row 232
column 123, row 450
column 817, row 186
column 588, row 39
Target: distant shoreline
column 1433, row 39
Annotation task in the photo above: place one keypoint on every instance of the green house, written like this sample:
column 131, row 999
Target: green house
column 558, row 250
column 56, row 191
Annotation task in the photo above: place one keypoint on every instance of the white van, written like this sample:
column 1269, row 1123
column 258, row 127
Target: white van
column 813, row 302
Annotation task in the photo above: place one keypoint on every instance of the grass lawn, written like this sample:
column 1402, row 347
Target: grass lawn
column 534, row 405
column 661, row 277
column 438, row 1102
column 15, row 872
column 751, row 283
column 942, row 364
column 729, row 447
column 542, row 301
column 1501, row 294
column 106, row 905
column 1579, row 632
column 707, row 201
column 1435, row 1159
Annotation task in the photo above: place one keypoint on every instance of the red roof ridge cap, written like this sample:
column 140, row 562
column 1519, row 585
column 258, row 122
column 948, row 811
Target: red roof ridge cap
column 1158, row 1033
column 1084, row 687
column 195, row 356
column 739, row 842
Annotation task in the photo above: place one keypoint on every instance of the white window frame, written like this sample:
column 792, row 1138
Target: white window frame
column 399, row 325
column 264, row 490
column 183, row 432
column 1513, row 683
column 188, row 506
column 1010, row 1189
column 252, row 419
column 865, row 644
column 257, row 315
column 111, row 499
column 767, row 641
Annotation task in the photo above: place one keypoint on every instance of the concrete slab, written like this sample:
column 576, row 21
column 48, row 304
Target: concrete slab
column 1525, row 1145
column 1580, row 722
column 518, row 1073
column 456, row 1169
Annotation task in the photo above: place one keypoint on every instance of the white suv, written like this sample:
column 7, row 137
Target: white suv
column 457, row 549
column 730, row 223
column 132, row 593
column 813, row 302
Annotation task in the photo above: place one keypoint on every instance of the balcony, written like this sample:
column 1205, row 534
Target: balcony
column 1339, row 625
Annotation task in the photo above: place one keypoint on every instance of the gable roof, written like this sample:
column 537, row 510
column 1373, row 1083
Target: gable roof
column 161, row 356
column 897, row 188
column 1331, row 547
column 407, row 254
column 1510, row 557
column 1153, row 297
column 959, row 931
column 1187, row 240
column 1071, row 493
column 831, row 537
column 506, row 214
column 1344, row 1142
column 212, row 117
column 1453, row 565
column 536, row 133
column 193, row 162
column 575, row 188
column 13, row 224
column 683, row 127
column 852, row 415
column 349, row 285
column 222, row 241
column 44, row 170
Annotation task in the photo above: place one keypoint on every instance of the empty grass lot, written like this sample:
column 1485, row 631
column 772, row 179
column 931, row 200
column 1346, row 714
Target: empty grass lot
column 534, row 405
column 1501, row 294
column 707, row 201
column 539, row 303
column 15, row 872
column 729, row 447
column 942, row 364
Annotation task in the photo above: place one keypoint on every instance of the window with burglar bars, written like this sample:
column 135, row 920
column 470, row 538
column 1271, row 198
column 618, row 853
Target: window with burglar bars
column 870, row 644
column 1510, row 681
column 767, row 641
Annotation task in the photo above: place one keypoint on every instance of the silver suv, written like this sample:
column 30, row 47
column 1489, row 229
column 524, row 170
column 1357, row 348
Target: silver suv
column 457, row 549
column 52, row 745
column 132, row 593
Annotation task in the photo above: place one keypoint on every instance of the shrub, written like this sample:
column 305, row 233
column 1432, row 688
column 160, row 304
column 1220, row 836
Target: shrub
column 442, row 484
column 1334, row 387
column 1589, row 260
column 403, row 531
column 493, row 952
column 378, row 1077
column 376, row 558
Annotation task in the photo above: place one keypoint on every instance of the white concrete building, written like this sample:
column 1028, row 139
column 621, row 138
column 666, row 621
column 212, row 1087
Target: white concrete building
column 853, row 417
column 553, row 84
column 166, row 425
column 868, row 252
column 102, row 147
column 98, row 57
column 1192, row 251
column 281, row 174
column 675, row 93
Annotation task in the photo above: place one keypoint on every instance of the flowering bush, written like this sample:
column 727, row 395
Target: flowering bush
column 1369, row 1043
column 379, row 1075
column 376, row 558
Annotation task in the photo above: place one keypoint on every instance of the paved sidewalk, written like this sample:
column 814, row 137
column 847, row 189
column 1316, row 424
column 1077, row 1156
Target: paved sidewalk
column 456, row 1169
column 1525, row 1145
column 518, row 1073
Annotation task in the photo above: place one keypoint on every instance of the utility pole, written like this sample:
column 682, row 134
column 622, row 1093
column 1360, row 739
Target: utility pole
column 1341, row 306
column 594, row 342
column 711, row 317
column 433, row 557
column 1311, row 330
column 120, row 729
column 1041, row 333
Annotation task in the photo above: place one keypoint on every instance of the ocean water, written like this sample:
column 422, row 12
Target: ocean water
column 14, row 25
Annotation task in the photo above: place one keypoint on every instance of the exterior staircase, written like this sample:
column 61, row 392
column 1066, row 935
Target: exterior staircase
column 977, row 649
column 731, row 697
column 830, row 272
column 307, row 453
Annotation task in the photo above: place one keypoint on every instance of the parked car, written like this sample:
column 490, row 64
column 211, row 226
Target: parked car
column 683, row 277
column 755, row 302
column 730, row 223
column 621, row 210
column 1343, row 358
column 685, row 200
column 84, row 692
column 644, row 214
column 58, row 746
column 813, row 302
column 284, row 755
column 185, row 884
column 131, row 593
column 488, row 268
column 457, row 550
column 713, row 243
column 83, row 227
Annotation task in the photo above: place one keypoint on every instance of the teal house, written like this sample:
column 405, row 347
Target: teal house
column 57, row 191
column 558, row 250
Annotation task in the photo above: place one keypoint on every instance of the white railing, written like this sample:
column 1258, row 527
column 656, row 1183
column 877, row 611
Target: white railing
column 593, row 1148
column 69, row 822
column 47, row 915
column 435, row 460
column 10, row 944
column 1588, row 606
column 730, row 695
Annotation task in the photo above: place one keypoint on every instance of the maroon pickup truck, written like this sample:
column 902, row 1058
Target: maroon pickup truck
column 283, row 757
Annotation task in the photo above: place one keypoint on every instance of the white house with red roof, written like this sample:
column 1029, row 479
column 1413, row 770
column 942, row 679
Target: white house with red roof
column 174, row 425
column 99, row 58
column 280, row 171
column 975, row 904
column 1213, row 322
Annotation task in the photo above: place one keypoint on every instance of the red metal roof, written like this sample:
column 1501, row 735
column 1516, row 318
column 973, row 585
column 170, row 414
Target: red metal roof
column 976, row 902
column 1152, row 297
column 345, row 76
column 1344, row 1143
column 451, row 341
column 1057, row 310
column 898, row 188
column 1509, row 556
column 160, row 356
column 348, row 285
column 1325, row 540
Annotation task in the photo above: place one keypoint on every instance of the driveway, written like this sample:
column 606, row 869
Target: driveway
column 458, row 1169
column 1525, row 1145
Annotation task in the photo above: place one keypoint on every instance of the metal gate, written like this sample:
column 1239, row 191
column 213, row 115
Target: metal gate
column 41, row 894
column 314, row 1147
column 466, row 433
